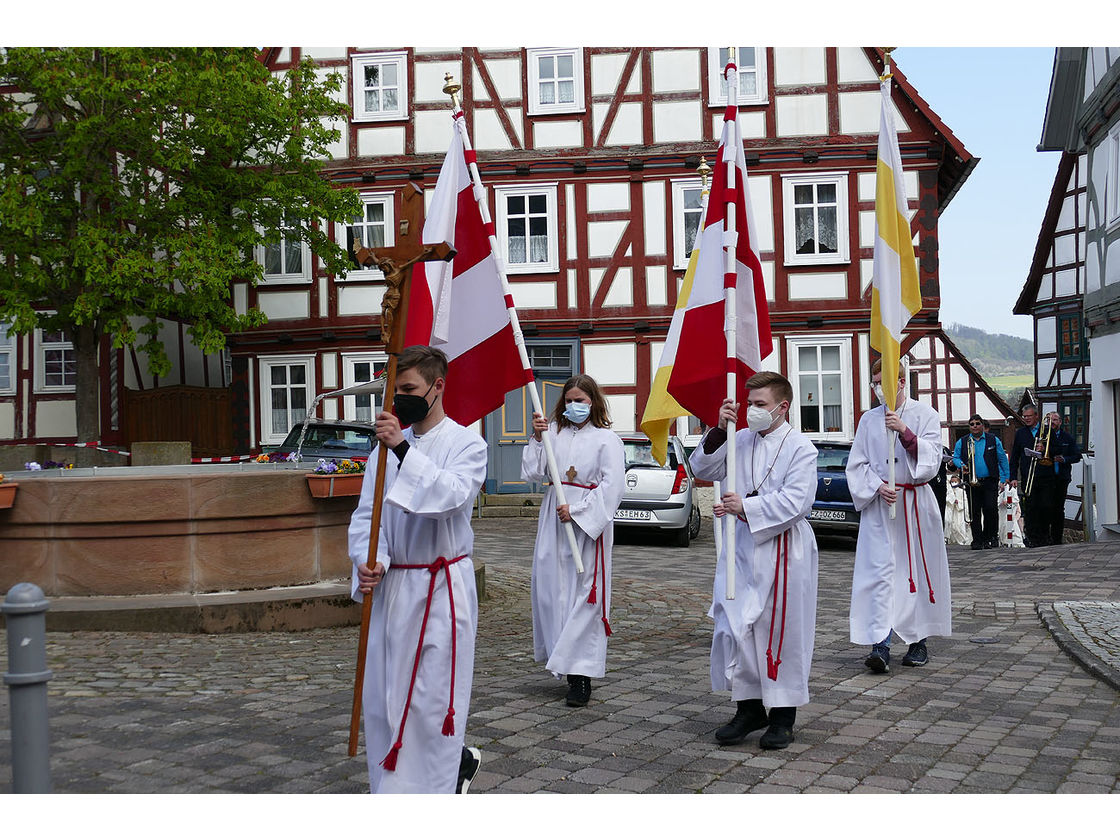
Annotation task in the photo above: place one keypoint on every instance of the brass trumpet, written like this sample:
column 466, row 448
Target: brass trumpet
column 972, row 479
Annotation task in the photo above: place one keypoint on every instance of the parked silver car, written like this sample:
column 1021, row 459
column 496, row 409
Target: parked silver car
column 658, row 497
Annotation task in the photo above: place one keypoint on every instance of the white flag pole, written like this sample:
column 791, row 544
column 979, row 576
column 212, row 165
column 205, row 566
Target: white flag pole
column 731, row 73
column 892, row 437
column 452, row 89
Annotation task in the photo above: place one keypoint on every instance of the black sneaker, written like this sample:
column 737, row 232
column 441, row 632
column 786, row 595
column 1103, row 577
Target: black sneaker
column 468, row 768
column 776, row 737
column 749, row 716
column 880, row 659
column 579, row 690
column 917, row 655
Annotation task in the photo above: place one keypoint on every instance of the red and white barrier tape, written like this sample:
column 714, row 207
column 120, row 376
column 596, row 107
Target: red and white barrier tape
column 224, row 459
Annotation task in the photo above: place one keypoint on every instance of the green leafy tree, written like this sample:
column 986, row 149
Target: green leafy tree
column 135, row 184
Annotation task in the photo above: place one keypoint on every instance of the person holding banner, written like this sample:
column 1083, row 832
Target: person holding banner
column 901, row 576
column 570, row 609
column 420, row 656
column 762, row 643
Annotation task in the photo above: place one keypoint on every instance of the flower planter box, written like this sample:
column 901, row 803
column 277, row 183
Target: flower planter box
column 8, row 494
column 328, row 486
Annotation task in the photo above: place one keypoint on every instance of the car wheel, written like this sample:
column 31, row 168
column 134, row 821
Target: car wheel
column 681, row 537
column 694, row 522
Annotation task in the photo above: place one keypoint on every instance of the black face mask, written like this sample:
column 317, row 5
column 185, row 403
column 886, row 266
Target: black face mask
column 411, row 408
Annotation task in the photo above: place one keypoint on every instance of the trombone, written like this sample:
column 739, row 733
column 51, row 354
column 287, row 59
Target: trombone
column 1042, row 447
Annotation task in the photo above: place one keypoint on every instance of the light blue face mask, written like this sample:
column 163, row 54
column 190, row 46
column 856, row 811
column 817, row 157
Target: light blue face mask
column 577, row 412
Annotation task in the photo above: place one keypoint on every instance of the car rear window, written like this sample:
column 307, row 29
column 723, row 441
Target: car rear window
column 832, row 459
column 639, row 455
column 320, row 438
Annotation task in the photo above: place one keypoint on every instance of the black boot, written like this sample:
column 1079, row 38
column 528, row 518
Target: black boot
column 749, row 716
column 579, row 690
column 779, row 734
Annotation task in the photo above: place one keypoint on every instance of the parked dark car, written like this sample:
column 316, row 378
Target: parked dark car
column 331, row 439
column 658, row 497
column 833, row 510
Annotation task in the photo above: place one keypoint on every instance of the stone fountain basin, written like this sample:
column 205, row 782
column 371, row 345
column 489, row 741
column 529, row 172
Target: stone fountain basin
column 175, row 529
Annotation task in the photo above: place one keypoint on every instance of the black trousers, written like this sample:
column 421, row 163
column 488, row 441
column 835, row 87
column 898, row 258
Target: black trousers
column 985, row 511
column 1044, row 511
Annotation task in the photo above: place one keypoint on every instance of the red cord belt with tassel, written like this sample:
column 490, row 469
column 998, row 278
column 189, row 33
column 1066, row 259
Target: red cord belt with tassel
column 913, row 488
column 600, row 559
column 440, row 564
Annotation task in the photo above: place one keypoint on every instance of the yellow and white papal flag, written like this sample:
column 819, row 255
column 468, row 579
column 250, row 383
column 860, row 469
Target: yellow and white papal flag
column 895, row 293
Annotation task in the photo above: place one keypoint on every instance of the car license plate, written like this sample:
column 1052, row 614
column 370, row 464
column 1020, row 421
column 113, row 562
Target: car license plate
column 840, row 515
column 631, row 514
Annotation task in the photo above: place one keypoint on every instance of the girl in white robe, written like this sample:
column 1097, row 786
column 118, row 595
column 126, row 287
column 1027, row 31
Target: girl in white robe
column 901, row 575
column 762, row 642
column 956, row 513
column 414, row 726
column 571, row 611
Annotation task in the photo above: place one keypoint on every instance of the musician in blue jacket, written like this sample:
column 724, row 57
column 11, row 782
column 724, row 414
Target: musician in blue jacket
column 980, row 457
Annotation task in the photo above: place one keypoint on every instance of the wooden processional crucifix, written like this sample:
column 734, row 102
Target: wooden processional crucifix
column 396, row 262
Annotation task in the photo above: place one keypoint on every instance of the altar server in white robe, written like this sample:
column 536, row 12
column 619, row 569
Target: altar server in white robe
column 420, row 654
column 901, row 576
column 762, row 643
column 571, row 611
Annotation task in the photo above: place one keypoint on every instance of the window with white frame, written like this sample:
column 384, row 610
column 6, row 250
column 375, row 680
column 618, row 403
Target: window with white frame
column 358, row 368
column 751, row 65
column 1112, row 184
column 687, row 206
column 555, row 81
column 816, row 218
column 56, row 367
column 285, row 258
column 7, row 361
column 526, row 224
column 287, row 385
column 821, row 375
column 372, row 229
column 380, row 86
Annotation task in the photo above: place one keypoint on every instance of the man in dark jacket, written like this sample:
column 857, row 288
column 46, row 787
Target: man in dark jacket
column 1044, row 505
column 983, row 462
column 1020, row 471
column 1065, row 452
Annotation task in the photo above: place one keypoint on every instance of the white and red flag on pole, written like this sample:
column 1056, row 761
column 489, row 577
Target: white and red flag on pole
column 699, row 377
column 463, row 306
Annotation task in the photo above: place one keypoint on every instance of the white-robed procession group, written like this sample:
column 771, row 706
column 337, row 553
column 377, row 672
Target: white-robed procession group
column 420, row 616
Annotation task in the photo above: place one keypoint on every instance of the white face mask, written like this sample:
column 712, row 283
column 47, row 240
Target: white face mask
column 577, row 412
column 759, row 419
column 878, row 389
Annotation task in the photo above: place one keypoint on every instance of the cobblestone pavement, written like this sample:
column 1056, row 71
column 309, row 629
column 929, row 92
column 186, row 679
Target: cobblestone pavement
column 1001, row 707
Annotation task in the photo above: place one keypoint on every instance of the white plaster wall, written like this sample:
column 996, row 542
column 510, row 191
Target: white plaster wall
column 653, row 200
column 381, row 140
column 1105, row 351
column 676, row 121
column 329, row 378
column 360, row 300
column 488, row 131
column 506, row 75
column 240, row 298
column 285, row 55
column 799, row 66
column 762, row 205
column 801, row 115
column 1046, row 337
column 603, row 237
column 960, row 407
column 852, row 66
column 557, row 135
column 1065, row 283
column 867, row 228
column 613, row 363
column 429, row 80
column 433, row 131
column 570, row 214
column 534, row 295
column 607, row 197
column 622, row 289
column 958, row 378
column 1064, row 249
column 1045, row 372
column 623, row 409
column 7, row 421
column 656, row 348
column 605, row 73
column 55, row 419
column 280, row 306
column 822, row 286
column 752, row 125
column 657, row 288
column 1066, row 215
column 323, row 53
column 627, row 127
column 676, row 70
column 866, row 274
column 768, row 279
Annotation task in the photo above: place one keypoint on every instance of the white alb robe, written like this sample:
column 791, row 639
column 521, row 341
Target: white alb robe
column 956, row 525
column 1010, row 537
column 884, row 567
column 569, row 633
column 426, row 515
column 765, row 606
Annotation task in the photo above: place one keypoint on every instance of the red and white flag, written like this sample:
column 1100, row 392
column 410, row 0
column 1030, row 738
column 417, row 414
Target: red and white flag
column 699, row 377
column 461, row 306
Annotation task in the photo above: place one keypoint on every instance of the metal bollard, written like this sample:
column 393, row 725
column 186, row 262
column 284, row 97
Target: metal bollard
column 24, row 611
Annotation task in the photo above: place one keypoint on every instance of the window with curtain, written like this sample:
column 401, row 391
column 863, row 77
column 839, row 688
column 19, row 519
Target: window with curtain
column 751, row 64
column 286, row 386
column 527, row 223
column 816, row 218
column 822, row 401
column 380, row 86
column 555, row 80
column 687, row 199
column 358, row 369
column 57, row 363
column 372, row 229
column 7, row 361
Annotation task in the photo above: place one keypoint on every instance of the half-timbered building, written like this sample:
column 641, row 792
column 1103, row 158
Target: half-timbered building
column 589, row 158
column 1052, row 295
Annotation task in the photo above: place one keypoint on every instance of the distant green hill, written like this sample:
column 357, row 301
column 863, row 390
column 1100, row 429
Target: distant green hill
column 995, row 355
